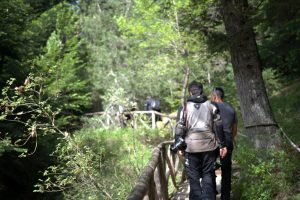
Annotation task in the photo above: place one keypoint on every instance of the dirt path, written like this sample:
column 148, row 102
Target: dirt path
column 184, row 189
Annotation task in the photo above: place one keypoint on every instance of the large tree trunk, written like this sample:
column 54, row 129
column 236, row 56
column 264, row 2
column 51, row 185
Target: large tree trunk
column 256, row 111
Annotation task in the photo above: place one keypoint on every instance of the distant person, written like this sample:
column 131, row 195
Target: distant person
column 229, row 121
column 153, row 104
column 198, row 119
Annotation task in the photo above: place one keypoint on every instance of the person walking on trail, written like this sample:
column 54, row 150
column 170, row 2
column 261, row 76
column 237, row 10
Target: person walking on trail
column 152, row 104
column 229, row 121
column 197, row 120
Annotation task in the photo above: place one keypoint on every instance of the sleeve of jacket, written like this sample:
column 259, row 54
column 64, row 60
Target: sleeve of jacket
column 179, row 122
column 218, row 126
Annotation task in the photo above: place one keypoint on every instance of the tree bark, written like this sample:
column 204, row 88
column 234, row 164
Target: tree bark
column 185, row 83
column 259, row 121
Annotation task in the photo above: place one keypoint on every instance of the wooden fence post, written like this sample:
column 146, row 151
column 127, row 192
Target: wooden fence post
column 153, row 120
column 152, row 192
column 153, row 181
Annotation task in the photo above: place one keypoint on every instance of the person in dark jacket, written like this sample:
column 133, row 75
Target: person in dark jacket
column 229, row 121
column 203, row 135
column 153, row 104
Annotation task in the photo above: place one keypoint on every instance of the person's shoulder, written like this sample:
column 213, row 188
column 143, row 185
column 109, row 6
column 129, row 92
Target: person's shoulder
column 216, row 104
column 208, row 102
column 213, row 105
column 228, row 106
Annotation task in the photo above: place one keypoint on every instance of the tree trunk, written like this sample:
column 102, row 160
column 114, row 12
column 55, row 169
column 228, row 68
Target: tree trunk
column 185, row 83
column 255, row 107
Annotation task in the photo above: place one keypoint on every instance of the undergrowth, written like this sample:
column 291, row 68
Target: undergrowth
column 99, row 163
column 266, row 174
column 286, row 108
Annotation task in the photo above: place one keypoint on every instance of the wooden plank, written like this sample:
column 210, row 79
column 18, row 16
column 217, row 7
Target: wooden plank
column 134, row 121
column 153, row 120
column 150, row 112
column 143, row 183
column 94, row 113
column 172, row 171
column 160, row 179
column 152, row 192
column 158, row 185
column 146, row 125
column 103, row 123
column 162, row 174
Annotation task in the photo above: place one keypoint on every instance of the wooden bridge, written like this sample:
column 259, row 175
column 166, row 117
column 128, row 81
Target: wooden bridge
column 163, row 178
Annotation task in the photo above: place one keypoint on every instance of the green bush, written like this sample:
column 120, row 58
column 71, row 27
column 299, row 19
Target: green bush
column 266, row 174
column 98, row 163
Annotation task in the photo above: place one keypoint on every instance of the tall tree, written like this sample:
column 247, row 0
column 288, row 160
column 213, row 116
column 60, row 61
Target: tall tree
column 62, row 68
column 278, row 32
column 54, row 94
column 256, row 111
column 163, row 49
column 106, row 50
column 13, row 20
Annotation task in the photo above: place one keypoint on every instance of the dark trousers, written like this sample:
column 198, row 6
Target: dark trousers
column 226, row 176
column 201, row 165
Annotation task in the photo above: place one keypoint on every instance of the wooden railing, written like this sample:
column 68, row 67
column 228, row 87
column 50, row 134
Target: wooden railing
column 154, row 179
column 118, row 118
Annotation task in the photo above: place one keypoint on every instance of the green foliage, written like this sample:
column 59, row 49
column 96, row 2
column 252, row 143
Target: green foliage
column 286, row 109
column 56, row 92
column 163, row 47
column 53, row 95
column 109, row 76
column 272, row 82
column 278, row 32
column 62, row 68
column 145, row 48
column 13, row 20
column 272, row 174
column 28, row 106
column 97, row 164
column 266, row 174
column 222, row 76
column 123, row 51
column 6, row 146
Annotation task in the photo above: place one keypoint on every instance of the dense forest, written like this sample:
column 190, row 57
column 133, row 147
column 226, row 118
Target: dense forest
column 63, row 60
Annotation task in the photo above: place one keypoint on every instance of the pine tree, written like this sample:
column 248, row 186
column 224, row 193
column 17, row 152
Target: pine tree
column 62, row 68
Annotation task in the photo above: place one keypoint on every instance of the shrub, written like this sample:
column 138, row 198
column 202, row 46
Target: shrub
column 98, row 164
column 265, row 174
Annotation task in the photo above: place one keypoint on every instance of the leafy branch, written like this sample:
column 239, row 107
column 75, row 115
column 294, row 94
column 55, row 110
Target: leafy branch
column 30, row 107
